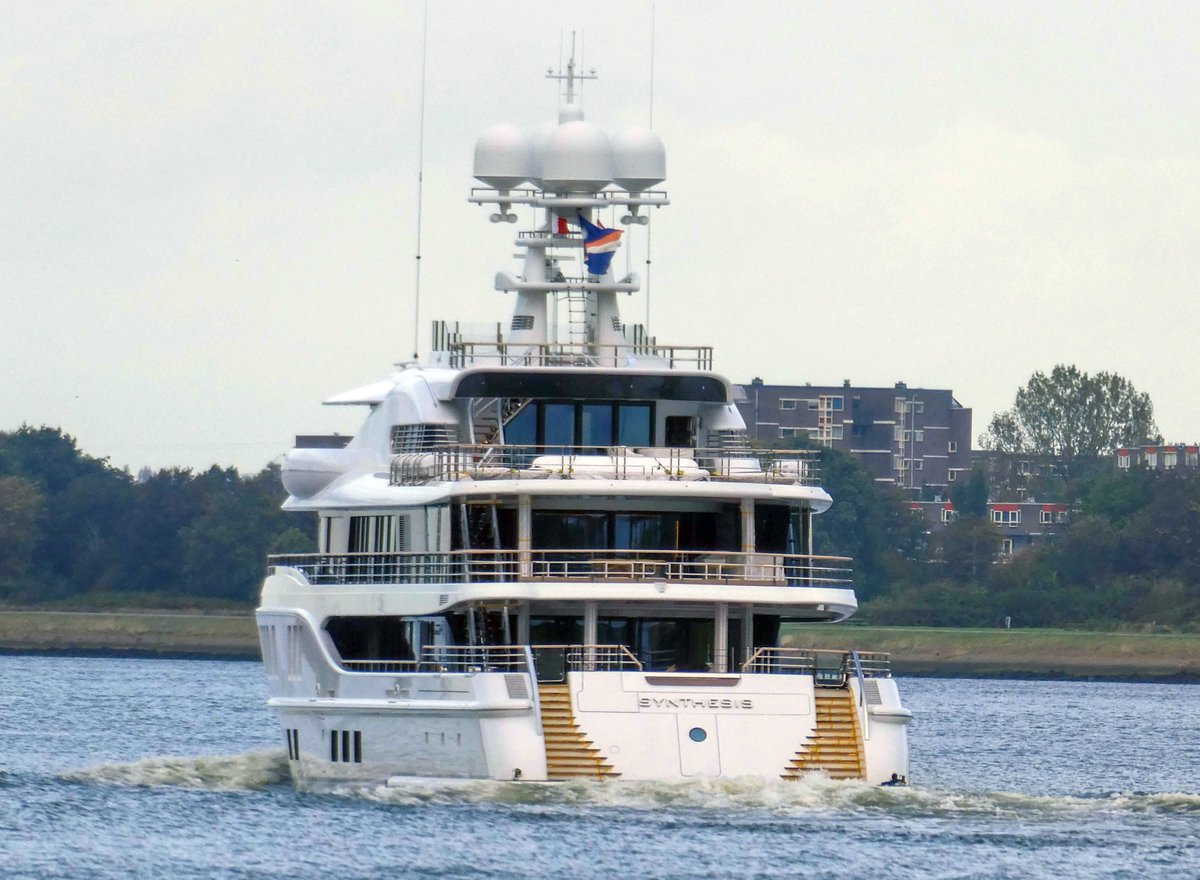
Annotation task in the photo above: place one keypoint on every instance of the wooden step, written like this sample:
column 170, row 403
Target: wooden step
column 835, row 746
column 569, row 754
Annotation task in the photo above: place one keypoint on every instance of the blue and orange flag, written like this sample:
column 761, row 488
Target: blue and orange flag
column 599, row 245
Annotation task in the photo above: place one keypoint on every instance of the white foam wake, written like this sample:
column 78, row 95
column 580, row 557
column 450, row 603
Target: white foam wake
column 815, row 793
column 246, row 772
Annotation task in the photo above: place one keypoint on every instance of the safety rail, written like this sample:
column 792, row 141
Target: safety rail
column 491, row 566
column 503, row 658
column 807, row 661
column 599, row 658
column 482, row 461
column 460, row 353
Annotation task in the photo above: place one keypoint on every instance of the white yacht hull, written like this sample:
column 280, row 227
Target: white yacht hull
column 369, row 727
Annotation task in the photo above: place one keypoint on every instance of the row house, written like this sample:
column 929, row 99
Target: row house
column 918, row 439
column 1159, row 457
column 1021, row 524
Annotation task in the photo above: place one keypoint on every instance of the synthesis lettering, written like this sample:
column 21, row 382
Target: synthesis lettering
column 695, row 703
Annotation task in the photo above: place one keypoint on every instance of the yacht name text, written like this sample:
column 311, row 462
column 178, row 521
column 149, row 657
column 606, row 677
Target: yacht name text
column 732, row 703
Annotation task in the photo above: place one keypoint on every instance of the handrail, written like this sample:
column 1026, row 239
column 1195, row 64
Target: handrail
column 853, row 658
column 491, row 566
column 463, row 353
column 449, row 462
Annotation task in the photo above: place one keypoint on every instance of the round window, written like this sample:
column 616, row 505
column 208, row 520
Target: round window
column 698, row 734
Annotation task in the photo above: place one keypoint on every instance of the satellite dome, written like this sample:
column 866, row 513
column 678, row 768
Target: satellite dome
column 504, row 157
column 639, row 159
column 577, row 158
column 540, row 138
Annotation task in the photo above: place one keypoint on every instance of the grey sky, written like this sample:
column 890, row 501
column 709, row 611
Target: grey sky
column 208, row 216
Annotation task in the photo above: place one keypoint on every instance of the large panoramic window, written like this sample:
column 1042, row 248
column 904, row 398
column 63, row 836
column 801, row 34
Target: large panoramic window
column 557, row 425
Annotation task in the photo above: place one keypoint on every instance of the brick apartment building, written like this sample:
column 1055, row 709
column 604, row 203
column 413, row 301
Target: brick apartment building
column 1159, row 458
column 1021, row 524
column 916, row 438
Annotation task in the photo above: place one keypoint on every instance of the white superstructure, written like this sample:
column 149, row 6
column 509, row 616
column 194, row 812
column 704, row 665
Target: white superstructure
column 552, row 553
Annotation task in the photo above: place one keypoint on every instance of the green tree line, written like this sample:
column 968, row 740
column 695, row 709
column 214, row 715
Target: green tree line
column 74, row 528
column 1129, row 557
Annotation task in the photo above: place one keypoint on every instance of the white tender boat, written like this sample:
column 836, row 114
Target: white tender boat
column 552, row 553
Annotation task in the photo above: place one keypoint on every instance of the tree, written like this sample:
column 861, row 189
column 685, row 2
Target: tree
column 970, row 497
column 1071, row 415
column 20, row 507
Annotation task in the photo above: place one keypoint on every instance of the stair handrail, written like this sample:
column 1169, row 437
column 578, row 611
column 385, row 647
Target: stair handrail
column 864, row 713
column 535, row 691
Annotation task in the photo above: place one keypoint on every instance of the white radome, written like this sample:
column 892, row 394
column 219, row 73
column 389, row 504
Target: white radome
column 504, row 157
column 577, row 158
column 639, row 159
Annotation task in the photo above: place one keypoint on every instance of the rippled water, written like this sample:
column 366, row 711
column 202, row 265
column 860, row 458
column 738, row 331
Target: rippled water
column 124, row 768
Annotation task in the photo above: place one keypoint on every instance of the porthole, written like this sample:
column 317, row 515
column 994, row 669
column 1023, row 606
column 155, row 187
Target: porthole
column 698, row 734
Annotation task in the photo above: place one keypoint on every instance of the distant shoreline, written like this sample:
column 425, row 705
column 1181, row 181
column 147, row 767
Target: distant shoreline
column 961, row 653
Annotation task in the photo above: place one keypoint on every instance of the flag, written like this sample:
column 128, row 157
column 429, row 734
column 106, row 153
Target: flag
column 599, row 245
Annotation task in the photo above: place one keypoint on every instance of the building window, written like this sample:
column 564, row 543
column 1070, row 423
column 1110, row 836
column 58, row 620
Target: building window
column 838, row 432
column 837, row 404
column 918, row 464
column 949, row 514
column 1192, row 459
column 812, row 405
column 785, row 433
column 787, row 403
column 1123, row 459
column 1023, row 468
column 1010, row 518
column 952, row 476
column 1170, row 459
column 952, row 446
column 1046, row 517
column 1006, row 546
column 1152, row 459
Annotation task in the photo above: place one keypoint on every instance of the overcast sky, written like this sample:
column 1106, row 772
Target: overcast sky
column 208, row 210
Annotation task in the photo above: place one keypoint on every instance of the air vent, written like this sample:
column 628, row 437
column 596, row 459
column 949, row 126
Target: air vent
column 345, row 746
column 422, row 438
column 522, row 322
column 518, row 689
column 872, row 691
column 293, row 743
column 733, row 441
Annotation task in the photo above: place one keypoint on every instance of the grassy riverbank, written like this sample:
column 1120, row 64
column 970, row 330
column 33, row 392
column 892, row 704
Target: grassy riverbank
column 914, row 650
column 1016, row 652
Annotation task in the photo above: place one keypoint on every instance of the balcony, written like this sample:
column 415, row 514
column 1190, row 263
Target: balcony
column 592, row 566
column 452, row 462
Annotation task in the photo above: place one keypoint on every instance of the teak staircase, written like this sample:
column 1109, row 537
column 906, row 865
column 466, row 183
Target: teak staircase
column 836, row 745
column 569, row 754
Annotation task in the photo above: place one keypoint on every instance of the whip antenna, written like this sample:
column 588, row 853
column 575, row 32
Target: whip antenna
column 420, row 176
column 649, row 228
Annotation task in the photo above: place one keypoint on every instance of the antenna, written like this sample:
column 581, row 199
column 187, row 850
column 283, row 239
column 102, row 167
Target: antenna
column 571, row 77
column 649, row 233
column 420, row 176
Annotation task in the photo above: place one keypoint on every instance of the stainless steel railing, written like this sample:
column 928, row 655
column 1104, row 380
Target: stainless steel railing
column 805, row 661
column 503, row 658
column 484, row 461
column 489, row 566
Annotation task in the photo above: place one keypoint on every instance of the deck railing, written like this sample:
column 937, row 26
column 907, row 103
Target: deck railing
column 462, row 353
column 551, row 661
column 831, row 666
column 480, row 461
column 505, row 658
column 490, row 566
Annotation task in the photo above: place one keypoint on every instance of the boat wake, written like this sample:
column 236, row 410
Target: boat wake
column 816, row 793
column 247, row 772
